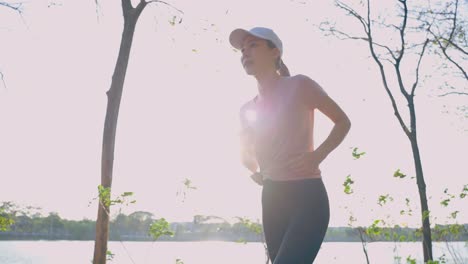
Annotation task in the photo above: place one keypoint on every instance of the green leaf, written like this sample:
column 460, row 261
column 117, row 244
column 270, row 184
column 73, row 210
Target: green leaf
column 252, row 226
column 104, row 195
column 241, row 240
column 384, row 198
column 445, row 202
column 455, row 229
column 425, row 214
column 399, row 174
column 173, row 21
column 418, row 232
column 356, row 154
column 159, row 228
column 464, row 191
column 347, row 184
column 6, row 222
column 374, row 229
column 410, row 260
column 188, row 183
column 109, row 255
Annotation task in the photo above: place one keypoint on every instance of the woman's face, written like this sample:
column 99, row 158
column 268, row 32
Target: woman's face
column 257, row 56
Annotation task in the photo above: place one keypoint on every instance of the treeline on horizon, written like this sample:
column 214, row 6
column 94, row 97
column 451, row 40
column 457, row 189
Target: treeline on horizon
column 135, row 227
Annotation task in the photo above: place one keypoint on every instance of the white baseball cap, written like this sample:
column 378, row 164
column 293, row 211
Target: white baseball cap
column 237, row 36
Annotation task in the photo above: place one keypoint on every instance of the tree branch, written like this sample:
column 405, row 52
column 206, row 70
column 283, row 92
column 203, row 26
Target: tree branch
column 165, row 3
column 391, row 26
column 449, row 40
column 345, row 36
column 417, row 68
column 3, row 79
column 453, row 28
column 353, row 13
column 18, row 7
column 383, row 75
column 387, row 48
column 385, row 59
column 368, row 30
column 444, row 51
column 443, row 42
column 97, row 9
column 454, row 24
column 139, row 8
column 455, row 46
column 449, row 93
column 402, row 33
column 402, row 51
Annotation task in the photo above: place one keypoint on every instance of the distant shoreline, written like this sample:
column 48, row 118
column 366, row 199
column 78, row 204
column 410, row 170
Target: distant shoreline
column 136, row 227
column 334, row 234
column 207, row 240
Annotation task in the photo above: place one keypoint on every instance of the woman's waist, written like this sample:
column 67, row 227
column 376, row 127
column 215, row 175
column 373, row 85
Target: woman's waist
column 286, row 174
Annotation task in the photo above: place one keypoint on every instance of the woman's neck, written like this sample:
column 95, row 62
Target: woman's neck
column 266, row 82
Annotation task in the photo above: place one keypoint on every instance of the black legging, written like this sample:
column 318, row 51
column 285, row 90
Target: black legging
column 295, row 219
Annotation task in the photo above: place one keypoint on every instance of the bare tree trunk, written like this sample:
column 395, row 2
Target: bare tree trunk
column 427, row 240
column 114, row 95
column 363, row 243
column 426, row 226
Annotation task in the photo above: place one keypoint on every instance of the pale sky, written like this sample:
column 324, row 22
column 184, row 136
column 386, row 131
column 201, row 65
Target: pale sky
column 179, row 112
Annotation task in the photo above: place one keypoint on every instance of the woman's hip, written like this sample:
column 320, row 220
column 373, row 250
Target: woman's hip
column 306, row 193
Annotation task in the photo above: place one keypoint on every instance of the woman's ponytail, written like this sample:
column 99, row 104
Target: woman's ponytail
column 283, row 69
column 280, row 66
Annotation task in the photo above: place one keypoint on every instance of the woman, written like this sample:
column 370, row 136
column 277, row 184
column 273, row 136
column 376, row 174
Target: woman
column 276, row 138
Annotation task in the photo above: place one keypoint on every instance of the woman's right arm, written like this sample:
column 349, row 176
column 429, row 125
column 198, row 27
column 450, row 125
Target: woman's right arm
column 247, row 152
column 248, row 158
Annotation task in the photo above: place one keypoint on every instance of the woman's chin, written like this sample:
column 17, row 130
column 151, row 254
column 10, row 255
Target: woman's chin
column 249, row 70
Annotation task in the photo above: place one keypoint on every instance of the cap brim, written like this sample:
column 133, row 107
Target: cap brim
column 237, row 36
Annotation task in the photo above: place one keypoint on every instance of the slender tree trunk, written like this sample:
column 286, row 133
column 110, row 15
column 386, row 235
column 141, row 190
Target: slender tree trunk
column 114, row 95
column 426, row 226
column 363, row 243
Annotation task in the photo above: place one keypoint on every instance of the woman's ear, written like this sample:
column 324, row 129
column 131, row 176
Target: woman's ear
column 277, row 57
column 283, row 69
column 277, row 53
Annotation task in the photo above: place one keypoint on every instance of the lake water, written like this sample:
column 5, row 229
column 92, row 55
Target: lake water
column 79, row 252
